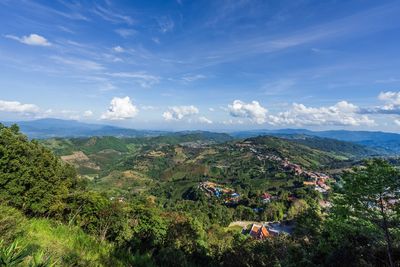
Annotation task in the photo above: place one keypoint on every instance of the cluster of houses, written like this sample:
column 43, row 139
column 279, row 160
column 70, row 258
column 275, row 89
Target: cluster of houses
column 316, row 179
column 216, row 190
column 319, row 183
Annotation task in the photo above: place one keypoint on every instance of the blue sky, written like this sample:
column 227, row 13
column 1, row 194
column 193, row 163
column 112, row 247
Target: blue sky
column 213, row 65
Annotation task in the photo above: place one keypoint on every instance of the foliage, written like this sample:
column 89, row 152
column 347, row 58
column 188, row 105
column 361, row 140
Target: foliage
column 145, row 206
column 31, row 177
column 369, row 203
column 12, row 255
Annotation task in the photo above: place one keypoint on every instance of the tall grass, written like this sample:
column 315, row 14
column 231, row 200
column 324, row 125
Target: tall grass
column 66, row 245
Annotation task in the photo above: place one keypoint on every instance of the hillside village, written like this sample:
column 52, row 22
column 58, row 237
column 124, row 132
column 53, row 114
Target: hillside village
column 311, row 178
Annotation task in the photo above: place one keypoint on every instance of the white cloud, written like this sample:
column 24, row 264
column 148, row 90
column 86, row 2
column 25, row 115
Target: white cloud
column 203, row 119
column 397, row 122
column 179, row 112
column 391, row 98
column 156, row 40
column 113, row 16
column 32, row 39
column 125, row 33
column 278, row 87
column 391, row 104
column 211, row 109
column 88, row 113
column 192, row 78
column 17, row 107
column 118, row 49
column 342, row 113
column 80, row 64
column 232, row 122
column 142, row 78
column 253, row 111
column 107, row 86
column 120, row 109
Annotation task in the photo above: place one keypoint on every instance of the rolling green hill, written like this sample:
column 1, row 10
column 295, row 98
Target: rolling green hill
column 170, row 165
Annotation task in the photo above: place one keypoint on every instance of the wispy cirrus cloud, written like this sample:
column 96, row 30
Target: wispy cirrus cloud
column 77, row 63
column 193, row 77
column 125, row 32
column 359, row 24
column 144, row 79
column 111, row 15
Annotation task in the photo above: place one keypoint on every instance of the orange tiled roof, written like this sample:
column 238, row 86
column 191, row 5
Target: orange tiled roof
column 264, row 232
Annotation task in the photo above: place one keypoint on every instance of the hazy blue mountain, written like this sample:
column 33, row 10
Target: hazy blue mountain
column 47, row 128
column 380, row 141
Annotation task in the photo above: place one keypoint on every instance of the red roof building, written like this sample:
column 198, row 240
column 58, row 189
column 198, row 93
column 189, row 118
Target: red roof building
column 259, row 231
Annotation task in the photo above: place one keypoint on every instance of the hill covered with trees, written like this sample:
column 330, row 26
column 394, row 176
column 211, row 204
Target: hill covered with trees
column 179, row 201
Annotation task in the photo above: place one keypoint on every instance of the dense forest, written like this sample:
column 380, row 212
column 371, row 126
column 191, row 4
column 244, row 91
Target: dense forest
column 106, row 201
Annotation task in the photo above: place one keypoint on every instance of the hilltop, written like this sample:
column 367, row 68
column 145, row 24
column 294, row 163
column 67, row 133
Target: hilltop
column 376, row 142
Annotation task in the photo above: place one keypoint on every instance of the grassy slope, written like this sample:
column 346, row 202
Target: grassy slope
column 66, row 245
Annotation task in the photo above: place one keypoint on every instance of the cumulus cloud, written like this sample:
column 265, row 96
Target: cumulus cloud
column 179, row 112
column 120, row 109
column 253, row 111
column 390, row 97
column 391, row 104
column 32, row 39
column 203, row 119
column 17, row 107
column 342, row 113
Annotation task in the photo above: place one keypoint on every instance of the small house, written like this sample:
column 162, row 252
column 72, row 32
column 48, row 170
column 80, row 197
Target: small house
column 259, row 231
column 266, row 197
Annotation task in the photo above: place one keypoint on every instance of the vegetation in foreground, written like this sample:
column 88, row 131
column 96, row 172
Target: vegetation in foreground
column 49, row 215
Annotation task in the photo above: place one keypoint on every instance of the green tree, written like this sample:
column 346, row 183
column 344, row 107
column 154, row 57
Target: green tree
column 369, row 200
column 31, row 177
column 298, row 207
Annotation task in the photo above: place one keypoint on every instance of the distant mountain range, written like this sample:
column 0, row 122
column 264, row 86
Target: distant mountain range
column 382, row 142
column 48, row 128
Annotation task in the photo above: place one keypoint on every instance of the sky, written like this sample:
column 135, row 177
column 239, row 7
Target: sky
column 208, row 65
